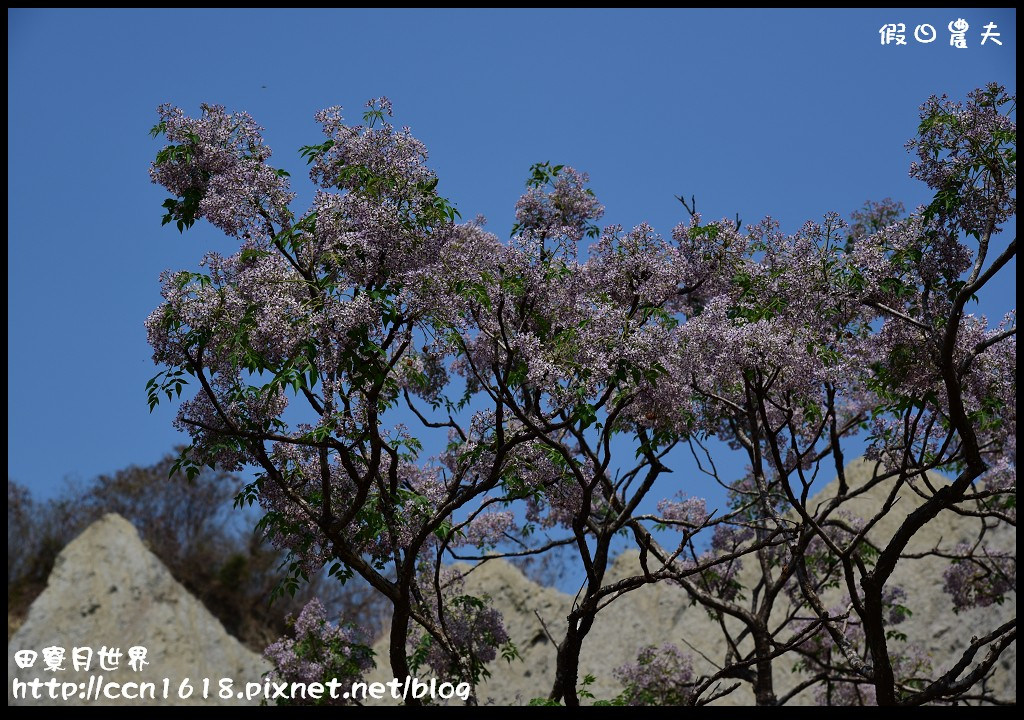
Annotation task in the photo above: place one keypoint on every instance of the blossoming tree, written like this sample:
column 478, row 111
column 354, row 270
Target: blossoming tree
column 561, row 374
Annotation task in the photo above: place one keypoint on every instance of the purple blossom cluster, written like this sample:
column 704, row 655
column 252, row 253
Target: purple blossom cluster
column 475, row 635
column 947, row 149
column 873, row 217
column 319, row 651
column 1001, row 476
column 691, row 511
column 472, row 632
column 487, row 529
column 729, row 537
column 221, row 158
column 979, row 577
column 379, row 148
column 423, row 374
column 562, row 212
column 659, row 676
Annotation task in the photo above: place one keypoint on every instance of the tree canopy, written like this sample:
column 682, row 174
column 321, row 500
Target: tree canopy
column 557, row 372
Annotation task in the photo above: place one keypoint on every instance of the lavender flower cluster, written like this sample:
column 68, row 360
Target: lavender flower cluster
column 659, row 676
column 319, row 651
column 471, row 632
column 979, row 577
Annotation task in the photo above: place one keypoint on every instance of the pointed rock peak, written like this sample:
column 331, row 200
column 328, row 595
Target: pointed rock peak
column 109, row 593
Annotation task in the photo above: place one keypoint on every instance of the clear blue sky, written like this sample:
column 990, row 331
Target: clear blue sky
column 790, row 113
